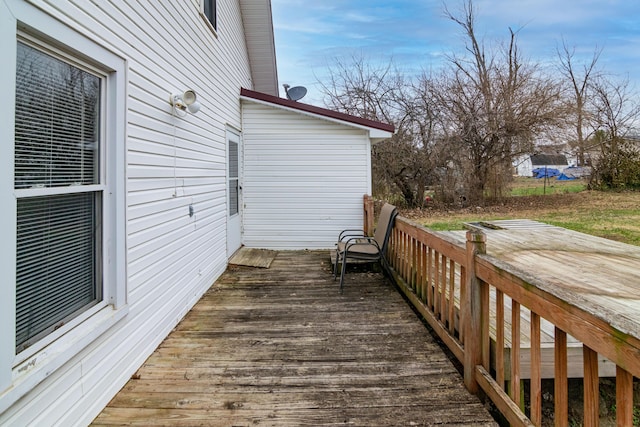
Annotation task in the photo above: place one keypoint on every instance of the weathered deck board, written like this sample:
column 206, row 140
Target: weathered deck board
column 252, row 257
column 282, row 346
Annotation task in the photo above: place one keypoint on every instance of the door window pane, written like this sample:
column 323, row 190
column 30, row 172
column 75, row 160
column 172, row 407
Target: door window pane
column 233, row 178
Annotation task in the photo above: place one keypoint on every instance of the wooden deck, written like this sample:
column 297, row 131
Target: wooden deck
column 282, row 347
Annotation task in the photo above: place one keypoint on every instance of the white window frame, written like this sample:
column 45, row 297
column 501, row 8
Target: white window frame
column 20, row 373
column 213, row 26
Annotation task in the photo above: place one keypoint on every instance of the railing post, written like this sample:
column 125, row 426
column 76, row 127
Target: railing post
column 368, row 215
column 471, row 304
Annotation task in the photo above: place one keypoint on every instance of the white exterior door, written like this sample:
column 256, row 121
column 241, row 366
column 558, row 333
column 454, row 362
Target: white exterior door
column 234, row 193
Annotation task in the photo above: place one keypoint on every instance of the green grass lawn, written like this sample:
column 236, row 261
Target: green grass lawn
column 540, row 187
column 610, row 215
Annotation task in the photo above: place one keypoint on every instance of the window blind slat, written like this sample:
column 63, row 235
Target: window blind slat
column 53, row 256
column 57, row 115
column 56, row 260
column 42, row 300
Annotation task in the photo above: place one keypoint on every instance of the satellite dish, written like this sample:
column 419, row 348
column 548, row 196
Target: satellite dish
column 295, row 93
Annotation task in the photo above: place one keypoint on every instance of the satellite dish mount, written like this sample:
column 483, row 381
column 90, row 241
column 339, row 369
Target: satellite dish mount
column 295, row 93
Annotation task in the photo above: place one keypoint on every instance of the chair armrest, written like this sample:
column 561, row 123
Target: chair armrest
column 350, row 234
column 361, row 241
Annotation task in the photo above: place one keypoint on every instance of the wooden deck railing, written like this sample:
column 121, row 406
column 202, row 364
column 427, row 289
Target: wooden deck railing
column 462, row 293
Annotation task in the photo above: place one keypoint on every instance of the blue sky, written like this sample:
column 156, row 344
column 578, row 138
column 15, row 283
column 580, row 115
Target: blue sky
column 310, row 35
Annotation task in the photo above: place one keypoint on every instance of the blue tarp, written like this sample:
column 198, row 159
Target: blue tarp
column 564, row 177
column 545, row 172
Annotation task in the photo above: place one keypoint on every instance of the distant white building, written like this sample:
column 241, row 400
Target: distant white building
column 526, row 164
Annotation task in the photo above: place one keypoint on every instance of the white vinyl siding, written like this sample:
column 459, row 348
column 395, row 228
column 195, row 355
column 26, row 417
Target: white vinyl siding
column 304, row 178
column 171, row 163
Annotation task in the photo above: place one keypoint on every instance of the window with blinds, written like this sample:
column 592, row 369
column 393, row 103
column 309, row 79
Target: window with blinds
column 58, row 185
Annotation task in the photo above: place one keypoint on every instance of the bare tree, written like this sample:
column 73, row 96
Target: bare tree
column 459, row 130
column 616, row 111
column 579, row 81
column 495, row 103
column 400, row 165
column 359, row 88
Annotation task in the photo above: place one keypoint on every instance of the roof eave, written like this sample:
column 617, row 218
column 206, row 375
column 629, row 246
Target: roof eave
column 377, row 135
column 378, row 131
column 258, row 26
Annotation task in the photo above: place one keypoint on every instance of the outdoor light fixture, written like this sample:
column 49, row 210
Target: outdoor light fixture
column 185, row 102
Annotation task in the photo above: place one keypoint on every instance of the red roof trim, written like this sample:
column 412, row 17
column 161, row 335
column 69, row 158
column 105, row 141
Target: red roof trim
column 316, row 110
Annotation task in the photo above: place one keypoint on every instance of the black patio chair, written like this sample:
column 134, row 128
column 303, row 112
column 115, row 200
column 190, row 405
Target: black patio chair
column 356, row 245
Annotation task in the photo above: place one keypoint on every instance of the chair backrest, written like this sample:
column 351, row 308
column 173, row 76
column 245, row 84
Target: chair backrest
column 385, row 224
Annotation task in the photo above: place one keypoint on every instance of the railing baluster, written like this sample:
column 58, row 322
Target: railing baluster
column 591, row 395
column 536, row 380
column 414, row 264
column 561, row 387
column 424, row 272
column 452, row 300
column 624, row 397
column 396, row 247
column 436, row 284
column 399, row 250
column 391, row 249
column 402, row 249
column 463, row 290
column 410, row 242
column 486, row 317
column 430, row 279
column 443, row 288
column 407, row 258
column 515, row 352
column 500, row 338
column 418, row 267
column 403, row 254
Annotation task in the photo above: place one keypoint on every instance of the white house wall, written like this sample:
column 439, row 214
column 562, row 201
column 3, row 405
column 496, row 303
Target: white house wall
column 304, row 178
column 172, row 163
column 525, row 168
